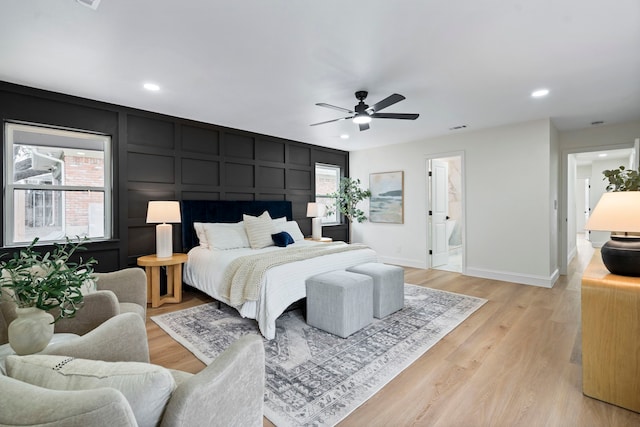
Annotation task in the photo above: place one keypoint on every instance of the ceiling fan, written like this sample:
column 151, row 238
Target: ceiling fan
column 362, row 113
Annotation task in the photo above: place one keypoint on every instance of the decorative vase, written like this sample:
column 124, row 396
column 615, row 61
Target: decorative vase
column 31, row 331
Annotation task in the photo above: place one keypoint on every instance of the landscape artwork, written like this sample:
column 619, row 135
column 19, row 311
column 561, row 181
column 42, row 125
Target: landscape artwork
column 386, row 204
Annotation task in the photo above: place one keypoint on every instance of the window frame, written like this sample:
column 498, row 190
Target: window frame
column 9, row 128
column 338, row 171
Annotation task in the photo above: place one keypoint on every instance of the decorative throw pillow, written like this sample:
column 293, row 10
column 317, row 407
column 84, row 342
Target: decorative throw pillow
column 224, row 236
column 202, row 236
column 293, row 229
column 146, row 387
column 282, row 239
column 89, row 286
column 279, row 221
column 259, row 230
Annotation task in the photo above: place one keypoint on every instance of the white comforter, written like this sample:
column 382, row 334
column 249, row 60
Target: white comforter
column 282, row 285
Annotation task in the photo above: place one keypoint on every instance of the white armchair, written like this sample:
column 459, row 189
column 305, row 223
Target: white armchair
column 228, row 392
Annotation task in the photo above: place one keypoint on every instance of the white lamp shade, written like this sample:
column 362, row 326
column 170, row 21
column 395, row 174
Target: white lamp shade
column 312, row 210
column 163, row 212
column 617, row 212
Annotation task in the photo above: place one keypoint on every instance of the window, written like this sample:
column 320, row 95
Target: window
column 327, row 182
column 57, row 184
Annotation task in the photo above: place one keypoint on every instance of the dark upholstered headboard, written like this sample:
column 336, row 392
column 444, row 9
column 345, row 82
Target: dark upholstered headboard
column 225, row 211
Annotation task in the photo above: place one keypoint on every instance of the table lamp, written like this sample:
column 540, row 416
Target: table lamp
column 163, row 212
column 619, row 213
column 313, row 211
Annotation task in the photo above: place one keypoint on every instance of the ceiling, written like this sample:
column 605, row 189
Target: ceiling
column 262, row 65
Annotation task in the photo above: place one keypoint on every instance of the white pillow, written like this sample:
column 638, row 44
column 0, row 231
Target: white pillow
column 226, row 235
column 293, row 229
column 89, row 286
column 146, row 387
column 202, row 236
column 279, row 221
column 259, row 230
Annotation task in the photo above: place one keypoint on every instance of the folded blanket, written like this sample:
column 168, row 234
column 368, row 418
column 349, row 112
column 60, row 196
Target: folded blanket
column 243, row 277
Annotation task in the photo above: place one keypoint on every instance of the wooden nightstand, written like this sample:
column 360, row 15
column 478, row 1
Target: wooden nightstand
column 152, row 264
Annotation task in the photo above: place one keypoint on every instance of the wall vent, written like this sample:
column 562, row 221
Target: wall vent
column 93, row 4
column 458, row 127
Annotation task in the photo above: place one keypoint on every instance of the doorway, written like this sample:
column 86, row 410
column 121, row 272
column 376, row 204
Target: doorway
column 585, row 186
column 445, row 217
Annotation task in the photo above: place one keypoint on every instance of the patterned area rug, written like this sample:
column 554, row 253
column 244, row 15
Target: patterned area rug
column 315, row 378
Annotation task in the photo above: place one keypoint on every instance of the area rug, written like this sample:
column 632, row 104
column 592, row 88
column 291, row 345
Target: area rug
column 314, row 378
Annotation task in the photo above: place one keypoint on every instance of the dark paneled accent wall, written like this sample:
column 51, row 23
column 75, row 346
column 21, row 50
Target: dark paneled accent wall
column 159, row 157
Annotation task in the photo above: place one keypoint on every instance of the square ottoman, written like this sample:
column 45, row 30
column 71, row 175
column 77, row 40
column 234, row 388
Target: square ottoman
column 388, row 286
column 339, row 302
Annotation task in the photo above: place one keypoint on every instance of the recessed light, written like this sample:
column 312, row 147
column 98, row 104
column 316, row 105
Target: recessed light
column 540, row 93
column 602, row 155
column 152, row 87
column 344, row 136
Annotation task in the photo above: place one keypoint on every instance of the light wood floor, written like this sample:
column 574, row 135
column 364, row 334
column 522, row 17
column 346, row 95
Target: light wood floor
column 515, row 362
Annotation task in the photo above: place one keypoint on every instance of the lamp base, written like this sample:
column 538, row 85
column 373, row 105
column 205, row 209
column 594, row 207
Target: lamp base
column 621, row 256
column 316, row 228
column 164, row 243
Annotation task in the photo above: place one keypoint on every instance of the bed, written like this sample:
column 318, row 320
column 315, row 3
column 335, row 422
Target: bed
column 209, row 265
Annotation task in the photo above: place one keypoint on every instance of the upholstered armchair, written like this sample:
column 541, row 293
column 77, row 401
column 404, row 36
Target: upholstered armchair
column 117, row 292
column 228, row 392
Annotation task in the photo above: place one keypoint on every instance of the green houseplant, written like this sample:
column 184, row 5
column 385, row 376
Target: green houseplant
column 47, row 281
column 347, row 197
column 38, row 283
column 622, row 179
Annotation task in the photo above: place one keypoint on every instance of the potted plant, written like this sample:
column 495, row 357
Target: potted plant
column 38, row 283
column 347, row 197
column 622, row 179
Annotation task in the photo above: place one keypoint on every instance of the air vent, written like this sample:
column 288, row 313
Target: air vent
column 598, row 122
column 93, row 4
column 458, row 127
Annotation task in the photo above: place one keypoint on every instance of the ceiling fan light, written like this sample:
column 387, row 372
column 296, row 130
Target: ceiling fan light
column 361, row 119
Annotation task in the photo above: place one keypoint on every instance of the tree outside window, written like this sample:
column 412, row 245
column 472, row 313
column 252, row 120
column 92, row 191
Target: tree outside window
column 327, row 183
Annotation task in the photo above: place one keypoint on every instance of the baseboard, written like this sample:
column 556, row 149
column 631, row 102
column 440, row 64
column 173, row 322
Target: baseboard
column 523, row 279
column 572, row 254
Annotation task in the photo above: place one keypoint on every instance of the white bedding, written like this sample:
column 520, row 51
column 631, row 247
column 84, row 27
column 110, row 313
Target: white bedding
column 282, row 286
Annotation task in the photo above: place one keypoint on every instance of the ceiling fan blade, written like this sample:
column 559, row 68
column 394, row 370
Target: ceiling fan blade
column 388, row 101
column 363, row 126
column 395, row 116
column 330, row 121
column 322, row 104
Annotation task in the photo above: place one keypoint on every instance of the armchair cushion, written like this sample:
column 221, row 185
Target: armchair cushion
column 146, row 387
column 24, row 404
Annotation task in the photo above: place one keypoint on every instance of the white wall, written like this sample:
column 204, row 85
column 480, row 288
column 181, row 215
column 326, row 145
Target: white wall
column 510, row 218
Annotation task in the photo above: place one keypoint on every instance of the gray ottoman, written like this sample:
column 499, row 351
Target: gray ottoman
column 339, row 302
column 388, row 286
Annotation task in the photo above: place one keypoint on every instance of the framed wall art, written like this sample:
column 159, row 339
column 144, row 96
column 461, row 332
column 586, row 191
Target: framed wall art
column 387, row 197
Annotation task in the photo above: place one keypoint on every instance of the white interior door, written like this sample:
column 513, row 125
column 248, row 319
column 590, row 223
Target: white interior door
column 439, row 210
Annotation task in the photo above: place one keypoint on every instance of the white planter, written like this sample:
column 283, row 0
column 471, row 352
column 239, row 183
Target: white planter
column 31, row 331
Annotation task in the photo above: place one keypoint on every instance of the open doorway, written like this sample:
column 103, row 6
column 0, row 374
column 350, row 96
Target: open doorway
column 446, row 212
column 585, row 187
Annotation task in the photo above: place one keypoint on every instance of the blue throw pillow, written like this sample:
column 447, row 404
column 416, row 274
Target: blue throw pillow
column 282, row 239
